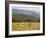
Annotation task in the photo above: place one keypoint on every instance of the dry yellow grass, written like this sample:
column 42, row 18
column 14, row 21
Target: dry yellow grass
column 23, row 26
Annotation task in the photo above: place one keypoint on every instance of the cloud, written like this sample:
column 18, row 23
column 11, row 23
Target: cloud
column 37, row 9
column 26, row 7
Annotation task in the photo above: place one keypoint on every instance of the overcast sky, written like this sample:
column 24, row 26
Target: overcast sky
column 26, row 7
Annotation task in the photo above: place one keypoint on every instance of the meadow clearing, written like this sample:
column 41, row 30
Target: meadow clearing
column 24, row 26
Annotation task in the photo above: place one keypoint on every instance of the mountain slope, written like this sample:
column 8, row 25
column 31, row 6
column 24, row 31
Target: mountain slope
column 25, row 14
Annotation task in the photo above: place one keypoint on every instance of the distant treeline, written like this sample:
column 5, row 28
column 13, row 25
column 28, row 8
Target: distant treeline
column 25, row 20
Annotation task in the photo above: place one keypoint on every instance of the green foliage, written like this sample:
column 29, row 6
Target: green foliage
column 25, row 20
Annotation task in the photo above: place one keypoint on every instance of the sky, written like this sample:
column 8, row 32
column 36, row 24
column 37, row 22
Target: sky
column 26, row 7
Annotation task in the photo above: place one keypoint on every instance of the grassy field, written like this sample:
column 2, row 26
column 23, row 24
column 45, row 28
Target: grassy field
column 24, row 26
